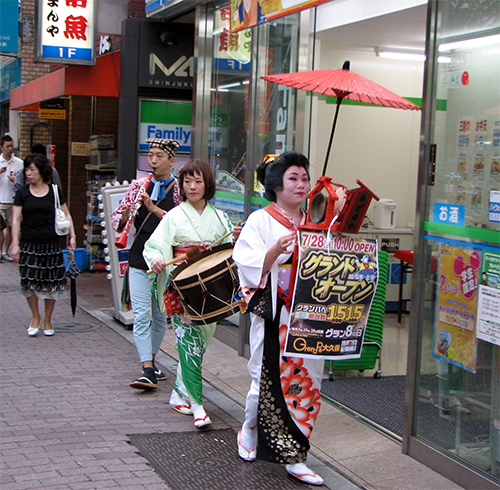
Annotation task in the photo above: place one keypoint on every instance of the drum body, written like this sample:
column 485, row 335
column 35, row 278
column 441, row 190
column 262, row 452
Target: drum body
column 207, row 285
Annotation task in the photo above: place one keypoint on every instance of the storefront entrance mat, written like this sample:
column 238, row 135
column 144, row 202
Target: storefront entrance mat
column 379, row 400
column 209, row 460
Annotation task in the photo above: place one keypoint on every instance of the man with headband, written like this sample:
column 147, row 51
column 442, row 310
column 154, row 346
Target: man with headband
column 158, row 197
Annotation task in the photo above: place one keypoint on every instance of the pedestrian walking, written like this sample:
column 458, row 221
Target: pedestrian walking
column 284, row 396
column 145, row 203
column 35, row 243
column 194, row 223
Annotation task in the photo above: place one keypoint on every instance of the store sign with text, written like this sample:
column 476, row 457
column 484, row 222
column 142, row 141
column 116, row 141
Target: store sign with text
column 168, row 119
column 66, row 31
column 9, row 29
column 335, row 283
column 456, row 309
column 248, row 13
column 166, row 55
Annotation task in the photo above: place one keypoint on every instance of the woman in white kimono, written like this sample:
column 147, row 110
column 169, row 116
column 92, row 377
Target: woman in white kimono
column 195, row 222
column 284, row 397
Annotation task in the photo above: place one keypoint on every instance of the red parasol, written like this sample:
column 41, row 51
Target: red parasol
column 343, row 84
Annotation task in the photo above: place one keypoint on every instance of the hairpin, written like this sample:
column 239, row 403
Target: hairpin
column 270, row 158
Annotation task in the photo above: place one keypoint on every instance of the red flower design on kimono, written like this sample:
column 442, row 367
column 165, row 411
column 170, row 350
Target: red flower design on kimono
column 303, row 401
column 172, row 303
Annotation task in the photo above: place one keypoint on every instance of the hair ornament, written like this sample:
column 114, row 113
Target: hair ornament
column 270, row 158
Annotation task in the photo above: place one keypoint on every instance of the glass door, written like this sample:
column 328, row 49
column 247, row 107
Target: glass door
column 456, row 396
column 248, row 118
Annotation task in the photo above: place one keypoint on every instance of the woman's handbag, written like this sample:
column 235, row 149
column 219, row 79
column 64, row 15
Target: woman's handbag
column 62, row 223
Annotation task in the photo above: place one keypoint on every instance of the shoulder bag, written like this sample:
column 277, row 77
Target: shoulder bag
column 62, row 223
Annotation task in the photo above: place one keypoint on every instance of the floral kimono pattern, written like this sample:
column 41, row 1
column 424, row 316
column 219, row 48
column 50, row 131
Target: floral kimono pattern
column 289, row 393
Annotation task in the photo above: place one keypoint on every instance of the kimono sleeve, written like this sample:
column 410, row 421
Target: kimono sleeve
column 250, row 252
column 159, row 244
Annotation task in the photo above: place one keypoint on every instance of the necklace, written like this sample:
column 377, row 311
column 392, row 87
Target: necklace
column 39, row 190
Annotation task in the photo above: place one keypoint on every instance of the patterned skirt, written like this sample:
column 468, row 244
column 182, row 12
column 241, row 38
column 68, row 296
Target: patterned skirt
column 42, row 271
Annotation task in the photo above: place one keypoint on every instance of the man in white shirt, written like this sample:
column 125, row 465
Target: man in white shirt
column 9, row 165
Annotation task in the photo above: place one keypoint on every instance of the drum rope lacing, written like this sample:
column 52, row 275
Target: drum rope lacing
column 206, row 293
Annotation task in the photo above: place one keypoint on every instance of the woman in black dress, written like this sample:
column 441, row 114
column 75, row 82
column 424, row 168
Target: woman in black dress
column 35, row 244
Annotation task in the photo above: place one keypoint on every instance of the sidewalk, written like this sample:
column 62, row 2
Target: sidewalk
column 67, row 411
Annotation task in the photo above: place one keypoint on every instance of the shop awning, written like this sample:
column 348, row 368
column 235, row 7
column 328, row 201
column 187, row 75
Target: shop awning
column 99, row 80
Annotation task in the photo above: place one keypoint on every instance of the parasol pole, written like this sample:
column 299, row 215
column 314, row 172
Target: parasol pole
column 339, row 101
column 345, row 66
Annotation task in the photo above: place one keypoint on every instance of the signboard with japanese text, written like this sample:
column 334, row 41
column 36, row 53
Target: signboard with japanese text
column 9, row 26
column 51, row 113
column 66, row 31
column 488, row 316
column 79, row 149
column 249, row 13
column 334, row 287
column 232, row 49
column 450, row 214
column 456, row 306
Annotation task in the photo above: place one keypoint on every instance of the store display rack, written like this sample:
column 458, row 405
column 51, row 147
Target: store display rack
column 101, row 169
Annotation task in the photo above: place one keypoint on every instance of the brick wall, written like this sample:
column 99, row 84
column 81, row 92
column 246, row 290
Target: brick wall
column 78, row 126
column 136, row 9
column 29, row 71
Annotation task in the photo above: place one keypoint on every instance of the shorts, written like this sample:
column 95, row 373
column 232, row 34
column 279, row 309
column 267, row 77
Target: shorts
column 6, row 213
column 3, row 225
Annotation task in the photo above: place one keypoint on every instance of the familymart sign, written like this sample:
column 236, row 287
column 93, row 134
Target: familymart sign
column 165, row 119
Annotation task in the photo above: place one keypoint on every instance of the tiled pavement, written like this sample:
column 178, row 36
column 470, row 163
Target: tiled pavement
column 66, row 409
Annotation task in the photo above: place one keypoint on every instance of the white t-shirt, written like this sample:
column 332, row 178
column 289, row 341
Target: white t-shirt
column 6, row 186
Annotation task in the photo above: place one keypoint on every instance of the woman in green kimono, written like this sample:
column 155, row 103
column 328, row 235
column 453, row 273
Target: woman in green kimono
column 195, row 222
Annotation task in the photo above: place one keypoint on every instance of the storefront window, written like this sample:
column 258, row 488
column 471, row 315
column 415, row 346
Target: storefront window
column 458, row 397
column 229, row 112
column 266, row 113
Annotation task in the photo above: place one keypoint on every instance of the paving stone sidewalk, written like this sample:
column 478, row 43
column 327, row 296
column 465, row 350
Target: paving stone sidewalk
column 66, row 409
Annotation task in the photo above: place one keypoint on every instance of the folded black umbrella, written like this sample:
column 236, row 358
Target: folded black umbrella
column 72, row 273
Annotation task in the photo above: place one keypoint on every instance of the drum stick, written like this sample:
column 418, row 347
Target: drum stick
column 219, row 240
column 222, row 237
column 191, row 253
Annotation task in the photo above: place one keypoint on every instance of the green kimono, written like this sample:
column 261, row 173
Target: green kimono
column 184, row 226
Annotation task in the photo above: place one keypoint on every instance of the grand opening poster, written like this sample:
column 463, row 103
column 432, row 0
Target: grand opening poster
column 334, row 287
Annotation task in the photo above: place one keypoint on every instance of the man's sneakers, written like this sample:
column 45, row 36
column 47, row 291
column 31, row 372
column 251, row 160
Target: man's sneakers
column 147, row 381
column 7, row 257
column 160, row 375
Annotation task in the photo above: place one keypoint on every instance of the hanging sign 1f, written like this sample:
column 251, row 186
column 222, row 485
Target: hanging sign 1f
column 66, row 31
column 335, row 282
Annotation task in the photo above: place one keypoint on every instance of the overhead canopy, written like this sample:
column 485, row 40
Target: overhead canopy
column 100, row 80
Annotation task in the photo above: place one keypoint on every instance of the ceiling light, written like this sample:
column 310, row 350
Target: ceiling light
column 229, row 85
column 471, row 43
column 395, row 55
column 407, row 55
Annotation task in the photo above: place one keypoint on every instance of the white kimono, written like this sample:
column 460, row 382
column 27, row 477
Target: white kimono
column 259, row 234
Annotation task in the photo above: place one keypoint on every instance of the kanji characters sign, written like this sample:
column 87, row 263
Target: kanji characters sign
column 456, row 306
column 333, row 293
column 66, row 31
